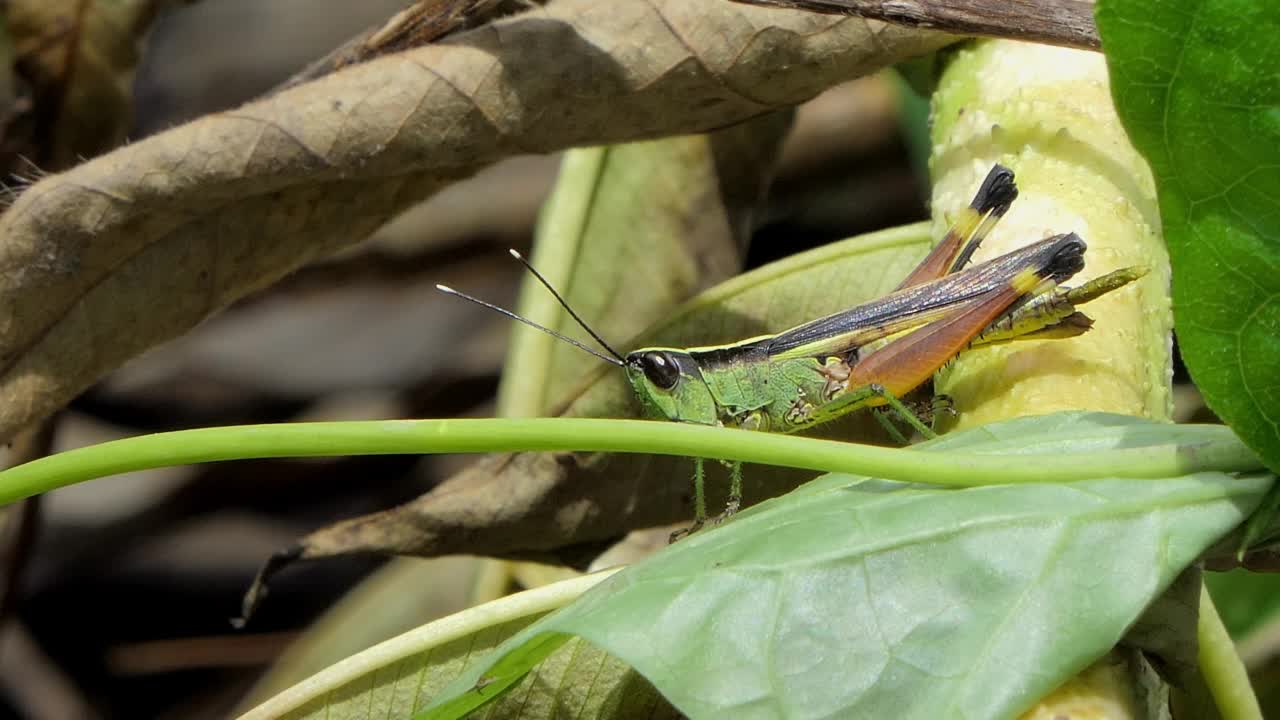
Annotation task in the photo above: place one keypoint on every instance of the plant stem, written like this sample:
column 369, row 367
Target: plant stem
column 1055, row 22
column 1047, row 113
column 1199, row 449
column 530, row 603
column 1221, row 666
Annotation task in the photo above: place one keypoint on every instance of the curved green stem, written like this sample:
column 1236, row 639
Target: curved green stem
column 1209, row 448
column 1221, row 666
column 425, row 638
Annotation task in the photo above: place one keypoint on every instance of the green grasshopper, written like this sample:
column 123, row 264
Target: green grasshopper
column 869, row 355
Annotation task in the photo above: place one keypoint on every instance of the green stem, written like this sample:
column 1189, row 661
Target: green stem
column 1205, row 448
column 1221, row 666
column 424, row 639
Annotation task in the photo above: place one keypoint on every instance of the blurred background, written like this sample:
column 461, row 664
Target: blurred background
column 118, row 593
column 123, row 590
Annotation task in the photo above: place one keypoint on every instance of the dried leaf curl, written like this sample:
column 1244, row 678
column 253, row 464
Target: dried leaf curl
column 137, row 246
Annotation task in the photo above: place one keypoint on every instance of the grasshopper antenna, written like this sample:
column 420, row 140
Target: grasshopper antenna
column 565, row 305
column 503, row 311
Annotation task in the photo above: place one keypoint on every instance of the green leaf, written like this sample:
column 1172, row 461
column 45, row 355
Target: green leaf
column 1247, row 600
column 1195, row 85
column 859, row 597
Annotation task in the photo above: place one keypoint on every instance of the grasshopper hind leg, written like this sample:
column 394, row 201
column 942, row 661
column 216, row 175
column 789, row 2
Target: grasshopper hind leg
column 882, row 417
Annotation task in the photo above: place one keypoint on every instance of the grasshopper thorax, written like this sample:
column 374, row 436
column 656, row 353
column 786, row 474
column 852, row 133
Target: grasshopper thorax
column 669, row 384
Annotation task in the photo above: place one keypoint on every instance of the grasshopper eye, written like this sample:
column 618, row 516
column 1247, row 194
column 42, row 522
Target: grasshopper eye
column 660, row 369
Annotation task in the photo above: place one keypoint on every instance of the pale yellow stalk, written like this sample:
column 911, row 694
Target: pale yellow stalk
column 1047, row 113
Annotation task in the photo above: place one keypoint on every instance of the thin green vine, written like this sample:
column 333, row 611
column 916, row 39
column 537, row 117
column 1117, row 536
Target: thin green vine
column 1203, row 448
column 1220, row 664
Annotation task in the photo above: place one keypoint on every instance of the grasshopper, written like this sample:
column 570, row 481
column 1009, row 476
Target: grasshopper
column 869, row 355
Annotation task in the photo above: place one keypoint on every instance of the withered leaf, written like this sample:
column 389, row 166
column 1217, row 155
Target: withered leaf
column 423, row 22
column 139, row 245
column 77, row 59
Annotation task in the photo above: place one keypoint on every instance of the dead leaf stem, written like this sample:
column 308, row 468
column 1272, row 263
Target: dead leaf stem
column 424, row 22
column 1068, row 23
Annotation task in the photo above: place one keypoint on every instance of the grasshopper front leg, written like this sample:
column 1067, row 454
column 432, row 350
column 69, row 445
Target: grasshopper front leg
column 732, row 505
column 699, row 501
column 754, row 420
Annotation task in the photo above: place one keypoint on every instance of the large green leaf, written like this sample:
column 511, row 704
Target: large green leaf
column 1195, row 83
column 854, row 597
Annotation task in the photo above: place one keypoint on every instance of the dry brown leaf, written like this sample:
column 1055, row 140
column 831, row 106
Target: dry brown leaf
column 137, row 246
column 78, row 58
column 549, row 507
column 423, row 22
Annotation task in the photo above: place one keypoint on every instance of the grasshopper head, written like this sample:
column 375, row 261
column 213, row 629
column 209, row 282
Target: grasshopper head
column 669, row 384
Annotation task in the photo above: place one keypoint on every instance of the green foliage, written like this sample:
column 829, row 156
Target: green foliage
column 1246, row 600
column 1195, row 84
column 854, row 596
